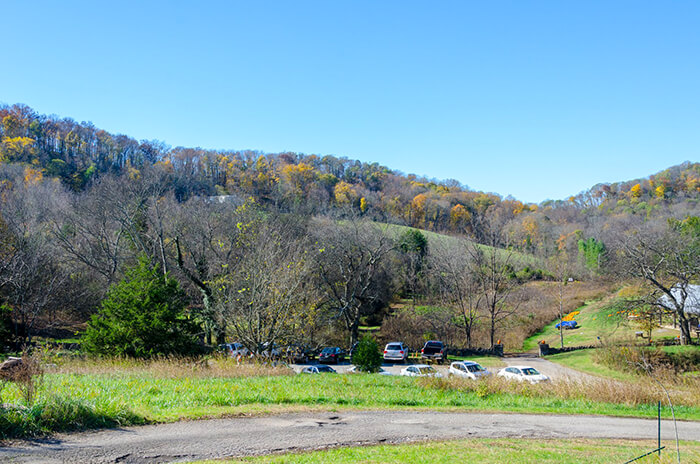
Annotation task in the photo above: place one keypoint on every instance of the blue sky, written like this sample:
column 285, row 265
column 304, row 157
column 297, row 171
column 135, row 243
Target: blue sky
column 533, row 99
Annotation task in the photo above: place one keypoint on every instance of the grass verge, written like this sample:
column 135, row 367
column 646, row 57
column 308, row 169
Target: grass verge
column 111, row 393
column 56, row 414
column 513, row 451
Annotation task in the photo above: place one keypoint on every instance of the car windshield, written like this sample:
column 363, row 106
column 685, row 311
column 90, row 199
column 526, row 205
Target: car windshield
column 433, row 345
column 475, row 368
column 393, row 347
column 327, row 350
column 426, row 370
column 530, row 371
column 325, row 369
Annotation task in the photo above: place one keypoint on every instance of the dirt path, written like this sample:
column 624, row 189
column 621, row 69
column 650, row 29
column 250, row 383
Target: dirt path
column 188, row 441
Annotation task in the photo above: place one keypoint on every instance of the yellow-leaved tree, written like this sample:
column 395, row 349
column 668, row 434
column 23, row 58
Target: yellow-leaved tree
column 17, row 149
column 636, row 191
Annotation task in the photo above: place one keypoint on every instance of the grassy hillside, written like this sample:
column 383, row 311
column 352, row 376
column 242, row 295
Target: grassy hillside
column 598, row 322
column 517, row 258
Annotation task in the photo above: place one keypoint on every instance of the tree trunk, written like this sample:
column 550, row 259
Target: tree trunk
column 354, row 332
column 685, row 329
column 468, row 333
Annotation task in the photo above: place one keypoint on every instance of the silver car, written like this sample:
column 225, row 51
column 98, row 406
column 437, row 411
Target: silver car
column 420, row 370
column 395, row 351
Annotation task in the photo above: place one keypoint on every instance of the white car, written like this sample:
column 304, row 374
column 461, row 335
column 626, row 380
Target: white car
column 420, row 370
column 355, row 370
column 320, row 369
column 395, row 351
column 234, row 349
column 523, row 374
column 468, row 369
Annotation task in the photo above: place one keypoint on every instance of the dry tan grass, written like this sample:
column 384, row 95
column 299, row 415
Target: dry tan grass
column 168, row 367
column 683, row 392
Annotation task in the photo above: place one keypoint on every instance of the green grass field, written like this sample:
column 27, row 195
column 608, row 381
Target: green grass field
column 122, row 395
column 166, row 399
column 595, row 320
column 511, row 451
column 582, row 360
column 599, row 321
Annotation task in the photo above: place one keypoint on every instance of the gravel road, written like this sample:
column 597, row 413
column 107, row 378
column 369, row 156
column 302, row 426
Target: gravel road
column 553, row 370
column 194, row 440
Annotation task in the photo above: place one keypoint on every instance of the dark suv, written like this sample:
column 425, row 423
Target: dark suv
column 437, row 351
column 331, row 355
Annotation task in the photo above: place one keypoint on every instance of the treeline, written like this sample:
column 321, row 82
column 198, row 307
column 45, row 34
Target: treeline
column 251, row 274
column 288, row 247
column 79, row 153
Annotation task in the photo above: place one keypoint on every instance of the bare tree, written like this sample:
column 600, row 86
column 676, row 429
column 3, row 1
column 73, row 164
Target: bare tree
column 667, row 258
column 456, row 283
column 209, row 239
column 560, row 267
column 352, row 268
column 32, row 283
column 94, row 229
column 267, row 298
column 492, row 269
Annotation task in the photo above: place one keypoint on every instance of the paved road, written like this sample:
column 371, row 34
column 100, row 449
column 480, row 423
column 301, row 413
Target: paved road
column 187, row 441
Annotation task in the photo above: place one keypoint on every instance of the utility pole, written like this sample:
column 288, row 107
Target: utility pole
column 561, row 310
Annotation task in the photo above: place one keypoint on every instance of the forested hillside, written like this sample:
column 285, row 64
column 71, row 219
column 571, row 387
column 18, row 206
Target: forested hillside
column 79, row 153
column 81, row 207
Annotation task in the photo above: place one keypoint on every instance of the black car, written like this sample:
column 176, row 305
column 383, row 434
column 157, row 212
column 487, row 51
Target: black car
column 434, row 350
column 331, row 355
column 296, row 354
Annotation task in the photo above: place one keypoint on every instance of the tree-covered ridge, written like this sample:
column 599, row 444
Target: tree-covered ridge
column 673, row 184
column 78, row 153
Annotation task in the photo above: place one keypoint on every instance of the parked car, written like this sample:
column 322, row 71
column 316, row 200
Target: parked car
column 270, row 351
column 395, row 351
column 234, row 349
column 317, row 370
column 420, row 370
column 468, row 369
column 567, row 325
column 355, row 370
column 523, row 374
column 296, row 354
column 434, row 350
column 331, row 355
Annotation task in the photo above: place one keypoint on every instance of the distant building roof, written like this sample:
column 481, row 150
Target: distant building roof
column 692, row 303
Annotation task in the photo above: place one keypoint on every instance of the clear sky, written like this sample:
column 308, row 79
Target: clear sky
column 529, row 98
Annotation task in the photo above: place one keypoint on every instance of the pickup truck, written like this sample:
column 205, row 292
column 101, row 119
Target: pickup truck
column 437, row 351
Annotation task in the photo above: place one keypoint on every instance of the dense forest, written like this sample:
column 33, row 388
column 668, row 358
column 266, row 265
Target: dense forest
column 289, row 247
